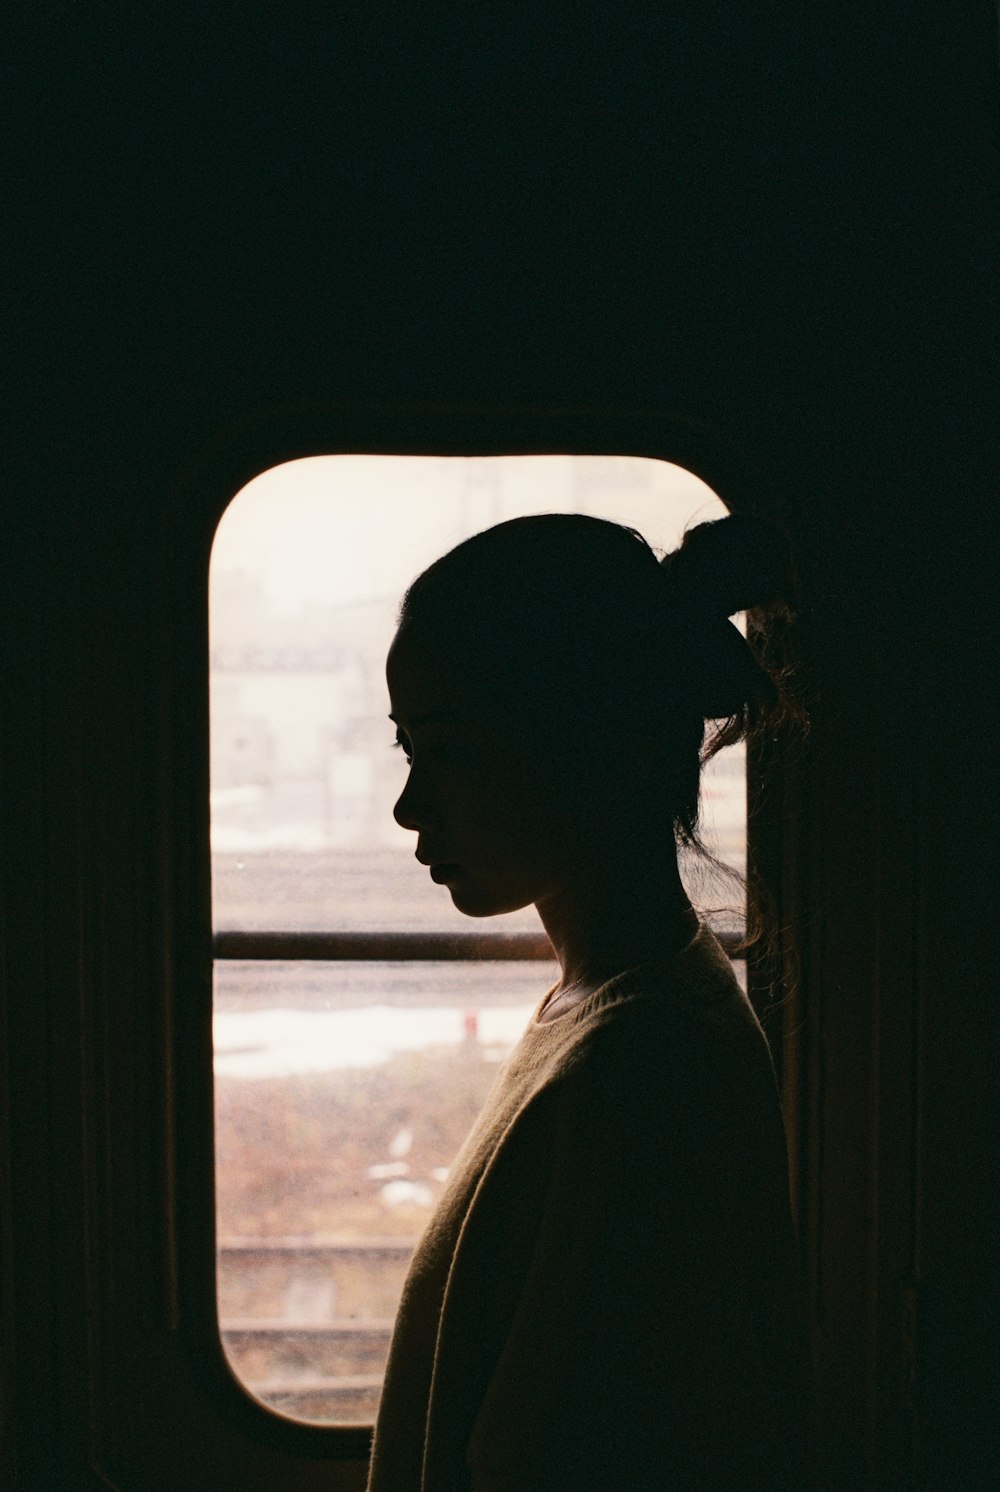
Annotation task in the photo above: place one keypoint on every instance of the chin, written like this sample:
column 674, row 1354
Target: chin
column 472, row 906
column 474, row 901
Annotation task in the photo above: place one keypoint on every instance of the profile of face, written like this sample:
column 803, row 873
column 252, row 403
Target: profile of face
column 489, row 806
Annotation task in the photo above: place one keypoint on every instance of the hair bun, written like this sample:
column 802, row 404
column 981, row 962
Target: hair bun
column 730, row 565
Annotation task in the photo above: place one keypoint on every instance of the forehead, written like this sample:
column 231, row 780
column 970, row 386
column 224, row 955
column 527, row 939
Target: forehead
column 424, row 678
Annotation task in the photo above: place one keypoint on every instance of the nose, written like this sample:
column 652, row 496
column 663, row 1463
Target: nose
column 410, row 811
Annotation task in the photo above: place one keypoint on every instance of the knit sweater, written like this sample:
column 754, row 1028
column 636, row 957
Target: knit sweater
column 606, row 1296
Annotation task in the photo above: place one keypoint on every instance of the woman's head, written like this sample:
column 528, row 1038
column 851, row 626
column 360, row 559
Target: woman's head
column 587, row 666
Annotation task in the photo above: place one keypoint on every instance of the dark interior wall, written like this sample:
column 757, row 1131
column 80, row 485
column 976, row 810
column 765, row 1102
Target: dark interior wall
column 752, row 214
column 771, row 221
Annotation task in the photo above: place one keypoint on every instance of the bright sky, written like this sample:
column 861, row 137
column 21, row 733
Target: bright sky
column 347, row 528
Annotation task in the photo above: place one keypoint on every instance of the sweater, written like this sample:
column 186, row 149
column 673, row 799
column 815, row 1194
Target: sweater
column 606, row 1296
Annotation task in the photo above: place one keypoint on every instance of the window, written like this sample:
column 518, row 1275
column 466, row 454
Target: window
column 359, row 1019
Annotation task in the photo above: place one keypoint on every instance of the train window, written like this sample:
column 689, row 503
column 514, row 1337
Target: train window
column 359, row 1018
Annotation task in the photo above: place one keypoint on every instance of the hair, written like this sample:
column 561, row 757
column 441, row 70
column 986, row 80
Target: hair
column 575, row 624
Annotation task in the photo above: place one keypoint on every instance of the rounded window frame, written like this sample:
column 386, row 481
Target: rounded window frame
column 187, row 1262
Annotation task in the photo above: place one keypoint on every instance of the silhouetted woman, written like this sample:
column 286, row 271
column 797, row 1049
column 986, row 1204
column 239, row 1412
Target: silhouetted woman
column 606, row 1295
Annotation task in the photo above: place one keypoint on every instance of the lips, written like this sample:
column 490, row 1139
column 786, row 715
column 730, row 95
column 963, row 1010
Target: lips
column 440, row 870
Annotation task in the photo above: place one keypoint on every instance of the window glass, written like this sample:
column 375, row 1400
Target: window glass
column 345, row 1086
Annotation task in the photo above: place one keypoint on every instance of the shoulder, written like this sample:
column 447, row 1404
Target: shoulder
column 668, row 1060
column 682, row 1027
column 679, row 1087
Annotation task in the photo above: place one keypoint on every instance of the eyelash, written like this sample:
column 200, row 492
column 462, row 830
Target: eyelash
column 398, row 746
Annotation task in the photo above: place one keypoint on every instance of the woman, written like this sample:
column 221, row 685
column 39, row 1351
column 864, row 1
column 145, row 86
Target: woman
column 606, row 1296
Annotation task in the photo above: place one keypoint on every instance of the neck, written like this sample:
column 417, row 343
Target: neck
column 624, row 912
